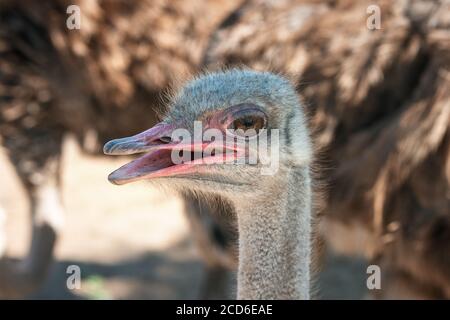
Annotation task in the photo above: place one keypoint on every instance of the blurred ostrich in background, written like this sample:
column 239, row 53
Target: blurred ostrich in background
column 378, row 103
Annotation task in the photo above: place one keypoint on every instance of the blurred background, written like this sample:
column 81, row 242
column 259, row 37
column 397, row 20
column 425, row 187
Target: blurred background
column 374, row 77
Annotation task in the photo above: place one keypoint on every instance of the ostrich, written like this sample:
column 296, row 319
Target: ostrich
column 378, row 105
column 273, row 211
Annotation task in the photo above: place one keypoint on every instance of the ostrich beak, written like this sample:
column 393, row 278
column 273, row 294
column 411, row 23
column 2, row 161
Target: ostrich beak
column 161, row 158
column 142, row 142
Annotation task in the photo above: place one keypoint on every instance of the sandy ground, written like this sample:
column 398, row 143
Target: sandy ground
column 130, row 241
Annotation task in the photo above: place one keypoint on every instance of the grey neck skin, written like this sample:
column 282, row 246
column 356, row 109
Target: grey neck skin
column 274, row 240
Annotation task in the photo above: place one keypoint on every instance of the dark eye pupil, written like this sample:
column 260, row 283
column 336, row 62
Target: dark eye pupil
column 248, row 122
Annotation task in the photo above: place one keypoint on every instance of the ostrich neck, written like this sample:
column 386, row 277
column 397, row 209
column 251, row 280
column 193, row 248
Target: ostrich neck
column 274, row 241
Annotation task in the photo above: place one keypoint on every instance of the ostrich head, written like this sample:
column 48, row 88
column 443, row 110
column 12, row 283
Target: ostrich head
column 273, row 210
column 249, row 102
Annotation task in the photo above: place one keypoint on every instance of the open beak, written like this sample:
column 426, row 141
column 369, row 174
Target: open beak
column 162, row 158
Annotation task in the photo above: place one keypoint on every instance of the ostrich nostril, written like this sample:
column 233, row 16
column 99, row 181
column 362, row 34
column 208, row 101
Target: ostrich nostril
column 165, row 139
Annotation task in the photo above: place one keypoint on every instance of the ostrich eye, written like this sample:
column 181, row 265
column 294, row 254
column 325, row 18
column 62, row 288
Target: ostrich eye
column 247, row 122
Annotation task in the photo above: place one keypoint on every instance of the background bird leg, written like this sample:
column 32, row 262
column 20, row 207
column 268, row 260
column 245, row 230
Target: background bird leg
column 40, row 174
